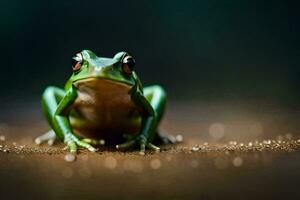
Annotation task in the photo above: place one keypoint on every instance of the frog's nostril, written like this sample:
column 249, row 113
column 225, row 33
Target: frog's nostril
column 106, row 69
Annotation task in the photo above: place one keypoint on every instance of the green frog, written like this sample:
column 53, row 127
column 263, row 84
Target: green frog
column 104, row 100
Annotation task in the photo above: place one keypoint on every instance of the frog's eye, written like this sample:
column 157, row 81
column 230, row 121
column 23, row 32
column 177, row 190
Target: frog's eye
column 128, row 64
column 77, row 62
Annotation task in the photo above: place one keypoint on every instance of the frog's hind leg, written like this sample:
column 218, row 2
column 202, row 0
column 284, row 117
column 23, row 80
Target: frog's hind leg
column 50, row 100
column 157, row 98
column 164, row 138
column 156, row 95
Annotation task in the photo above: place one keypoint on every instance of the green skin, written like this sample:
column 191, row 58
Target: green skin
column 80, row 105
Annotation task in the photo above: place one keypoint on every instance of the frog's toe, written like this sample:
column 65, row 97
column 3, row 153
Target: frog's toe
column 164, row 138
column 73, row 142
column 142, row 149
column 38, row 141
column 72, row 146
column 131, row 143
column 149, row 146
column 126, row 145
column 94, row 142
column 51, row 141
column 86, row 145
column 47, row 137
column 153, row 147
column 141, row 142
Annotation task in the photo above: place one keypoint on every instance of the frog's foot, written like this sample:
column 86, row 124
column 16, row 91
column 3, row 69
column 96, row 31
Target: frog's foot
column 94, row 142
column 140, row 141
column 73, row 143
column 48, row 137
column 164, row 138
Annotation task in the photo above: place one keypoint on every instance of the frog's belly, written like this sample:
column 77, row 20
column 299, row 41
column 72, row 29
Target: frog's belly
column 105, row 108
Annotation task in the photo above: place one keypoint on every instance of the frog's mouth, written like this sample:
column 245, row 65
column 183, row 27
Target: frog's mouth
column 102, row 81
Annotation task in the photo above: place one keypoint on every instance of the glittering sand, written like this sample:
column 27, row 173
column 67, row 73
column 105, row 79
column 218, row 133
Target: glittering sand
column 229, row 152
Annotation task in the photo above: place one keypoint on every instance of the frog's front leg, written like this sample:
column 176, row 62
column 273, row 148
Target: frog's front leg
column 57, row 105
column 152, row 103
column 50, row 99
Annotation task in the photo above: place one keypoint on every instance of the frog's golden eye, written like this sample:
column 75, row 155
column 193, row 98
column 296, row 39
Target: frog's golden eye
column 77, row 62
column 128, row 64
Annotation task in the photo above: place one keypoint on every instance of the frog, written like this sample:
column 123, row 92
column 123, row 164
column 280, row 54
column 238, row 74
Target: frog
column 104, row 101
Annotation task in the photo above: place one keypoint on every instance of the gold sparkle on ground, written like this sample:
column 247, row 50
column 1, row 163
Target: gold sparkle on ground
column 288, row 145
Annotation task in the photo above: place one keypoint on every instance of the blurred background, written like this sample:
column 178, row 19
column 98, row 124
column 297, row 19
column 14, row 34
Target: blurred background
column 230, row 69
column 198, row 50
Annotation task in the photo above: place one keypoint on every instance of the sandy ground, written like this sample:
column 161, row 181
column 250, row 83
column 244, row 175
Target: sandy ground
column 230, row 151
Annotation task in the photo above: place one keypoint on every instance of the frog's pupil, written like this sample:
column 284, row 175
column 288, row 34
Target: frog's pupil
column 131, row 63
column 74, row 62
column 76, row 65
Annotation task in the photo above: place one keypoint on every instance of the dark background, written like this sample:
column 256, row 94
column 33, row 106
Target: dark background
column 229, row 67
column 215, row 50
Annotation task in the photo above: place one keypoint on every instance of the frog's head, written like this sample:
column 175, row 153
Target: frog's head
column 86, row 65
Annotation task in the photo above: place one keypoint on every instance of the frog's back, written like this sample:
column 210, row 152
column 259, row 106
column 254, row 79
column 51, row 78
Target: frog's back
column 106, row 106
